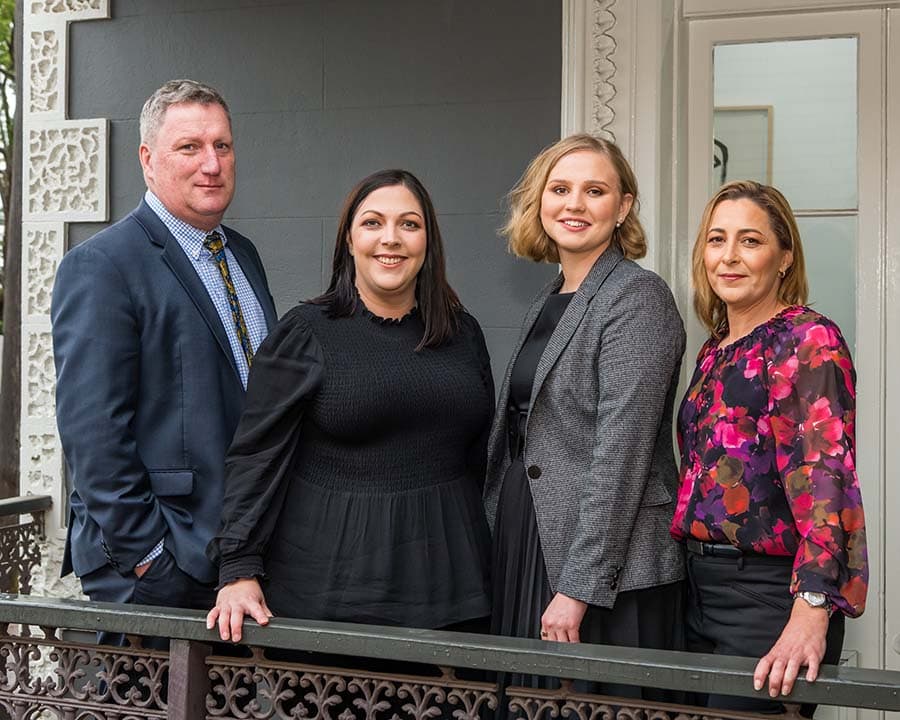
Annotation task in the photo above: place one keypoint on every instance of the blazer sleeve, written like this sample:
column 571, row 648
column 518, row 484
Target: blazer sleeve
column 640, row 352
column 96, row 344
column 287, row 371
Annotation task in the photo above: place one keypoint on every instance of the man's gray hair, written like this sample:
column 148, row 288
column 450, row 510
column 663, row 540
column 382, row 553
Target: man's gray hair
column 176, row 92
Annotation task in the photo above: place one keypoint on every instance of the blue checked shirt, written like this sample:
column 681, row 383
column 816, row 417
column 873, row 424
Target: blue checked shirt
column 191, row 241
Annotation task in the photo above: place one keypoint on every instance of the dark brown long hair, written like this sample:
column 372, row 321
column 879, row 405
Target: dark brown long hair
column 438, row 303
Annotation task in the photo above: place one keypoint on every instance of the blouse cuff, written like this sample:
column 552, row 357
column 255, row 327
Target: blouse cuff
column 239, row 568
column 840, row 603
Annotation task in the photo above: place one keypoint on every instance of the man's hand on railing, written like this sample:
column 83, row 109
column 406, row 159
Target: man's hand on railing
column 234, row 601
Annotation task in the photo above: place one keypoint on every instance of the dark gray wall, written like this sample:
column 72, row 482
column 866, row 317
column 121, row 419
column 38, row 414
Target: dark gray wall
column 463, row 93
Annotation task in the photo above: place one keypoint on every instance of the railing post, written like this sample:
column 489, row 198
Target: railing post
column 188, row 679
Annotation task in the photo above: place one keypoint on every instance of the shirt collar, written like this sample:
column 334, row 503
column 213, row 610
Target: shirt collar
column 189, row 237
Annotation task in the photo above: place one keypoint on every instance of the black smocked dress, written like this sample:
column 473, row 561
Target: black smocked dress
column 353, row 485
column 521, row 587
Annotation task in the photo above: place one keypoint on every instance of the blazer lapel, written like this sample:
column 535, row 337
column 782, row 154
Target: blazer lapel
column 253, row 273
column 180, row 265
column 572, row 317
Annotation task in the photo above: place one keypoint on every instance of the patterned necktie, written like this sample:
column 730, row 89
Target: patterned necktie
column 216, row 247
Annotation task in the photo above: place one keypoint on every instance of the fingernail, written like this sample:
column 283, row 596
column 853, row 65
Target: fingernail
column 773, row 693
column 757, row 685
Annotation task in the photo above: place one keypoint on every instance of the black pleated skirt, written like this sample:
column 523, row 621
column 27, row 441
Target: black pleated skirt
column 650, row 618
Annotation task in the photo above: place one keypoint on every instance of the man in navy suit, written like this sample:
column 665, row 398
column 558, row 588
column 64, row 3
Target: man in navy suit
column 155, row 321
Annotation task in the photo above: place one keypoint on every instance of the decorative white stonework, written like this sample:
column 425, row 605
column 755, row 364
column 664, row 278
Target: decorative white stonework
column 44, row 73
column 43, row 246
column 589, row 68
column 66, row 174
column 70, row 9
column 64, row 179
column 42, row 458
column 39, row 376
column 603, row 46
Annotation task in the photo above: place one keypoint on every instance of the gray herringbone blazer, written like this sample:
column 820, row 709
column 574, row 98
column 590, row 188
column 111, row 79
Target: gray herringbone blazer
column 598, row 449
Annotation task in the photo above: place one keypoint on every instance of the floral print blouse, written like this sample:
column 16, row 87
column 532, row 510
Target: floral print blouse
column 767, row 438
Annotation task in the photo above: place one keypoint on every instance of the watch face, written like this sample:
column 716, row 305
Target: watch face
column 813, row 598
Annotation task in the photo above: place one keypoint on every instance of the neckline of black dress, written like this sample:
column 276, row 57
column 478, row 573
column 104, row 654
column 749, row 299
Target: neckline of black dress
column 378, row 320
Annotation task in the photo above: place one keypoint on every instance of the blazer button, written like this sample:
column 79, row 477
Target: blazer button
column 534, row 472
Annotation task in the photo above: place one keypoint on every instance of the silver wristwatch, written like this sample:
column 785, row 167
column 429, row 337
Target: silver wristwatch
column 817, row 600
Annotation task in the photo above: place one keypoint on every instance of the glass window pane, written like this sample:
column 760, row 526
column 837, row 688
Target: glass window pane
column 829, row 246
column 807, row 90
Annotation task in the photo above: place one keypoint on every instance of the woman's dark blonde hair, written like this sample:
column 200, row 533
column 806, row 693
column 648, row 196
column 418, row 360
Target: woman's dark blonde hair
column 793, row 288
column 524, row 231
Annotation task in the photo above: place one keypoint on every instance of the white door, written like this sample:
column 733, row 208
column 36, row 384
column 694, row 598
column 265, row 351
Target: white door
column 892, row 348
column 799, row 100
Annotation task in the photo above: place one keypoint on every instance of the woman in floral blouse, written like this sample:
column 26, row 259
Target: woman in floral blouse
column 769, row 504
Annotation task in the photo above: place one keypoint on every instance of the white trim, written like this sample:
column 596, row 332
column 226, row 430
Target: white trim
column 892, row 341
column 699, row 9
column 588, row 67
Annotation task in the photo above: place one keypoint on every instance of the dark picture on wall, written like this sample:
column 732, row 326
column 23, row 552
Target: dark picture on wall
column 742, row 144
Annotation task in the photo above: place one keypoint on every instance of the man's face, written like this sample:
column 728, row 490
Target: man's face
column 189, row 165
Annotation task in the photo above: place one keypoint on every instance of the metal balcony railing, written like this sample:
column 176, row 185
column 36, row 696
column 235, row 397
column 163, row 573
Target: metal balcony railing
column 48, row 671
column 20, row 540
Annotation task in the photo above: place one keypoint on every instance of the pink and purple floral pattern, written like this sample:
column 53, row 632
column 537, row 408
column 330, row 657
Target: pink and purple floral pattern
column 767, row 440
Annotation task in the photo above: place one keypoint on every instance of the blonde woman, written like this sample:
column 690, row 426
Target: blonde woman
column 581, row 472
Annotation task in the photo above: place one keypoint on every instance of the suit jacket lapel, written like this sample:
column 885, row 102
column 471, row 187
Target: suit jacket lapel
column 253, row 273
column 573, row 315
column 180, row 265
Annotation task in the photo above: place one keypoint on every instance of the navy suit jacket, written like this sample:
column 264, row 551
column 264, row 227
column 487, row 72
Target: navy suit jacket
column 148, row 395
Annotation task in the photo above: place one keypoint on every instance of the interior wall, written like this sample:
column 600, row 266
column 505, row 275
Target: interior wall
column 462, row 94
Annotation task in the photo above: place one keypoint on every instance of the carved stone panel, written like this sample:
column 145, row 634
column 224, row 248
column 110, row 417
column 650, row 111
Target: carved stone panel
column 45, row 73
column 603, row 46
column 39, row 376
column 43, row 249
column 66, row 171
column 69, row 9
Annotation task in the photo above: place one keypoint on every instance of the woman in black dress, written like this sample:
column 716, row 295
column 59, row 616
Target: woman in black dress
column 353, row 482
column 581, row 469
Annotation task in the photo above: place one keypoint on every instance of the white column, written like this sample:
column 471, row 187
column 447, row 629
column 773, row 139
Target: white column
column 64, row 179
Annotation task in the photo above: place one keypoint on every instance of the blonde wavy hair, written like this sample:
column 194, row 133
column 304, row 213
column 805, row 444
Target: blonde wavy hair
column 524, row 231
column 793, row 288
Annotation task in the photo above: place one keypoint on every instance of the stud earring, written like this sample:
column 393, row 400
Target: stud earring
column 781, row 273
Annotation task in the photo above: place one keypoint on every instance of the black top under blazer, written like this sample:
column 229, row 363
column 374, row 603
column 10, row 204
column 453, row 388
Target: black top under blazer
column 598, row 448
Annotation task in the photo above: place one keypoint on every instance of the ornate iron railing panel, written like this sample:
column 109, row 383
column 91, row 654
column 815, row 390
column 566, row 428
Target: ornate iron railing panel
column 292, row 690
column 47, row 677
column 20, row 542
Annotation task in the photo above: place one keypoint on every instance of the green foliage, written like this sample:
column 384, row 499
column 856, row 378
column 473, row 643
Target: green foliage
column 7, row 89
column 7, row 109
column 7, row 19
